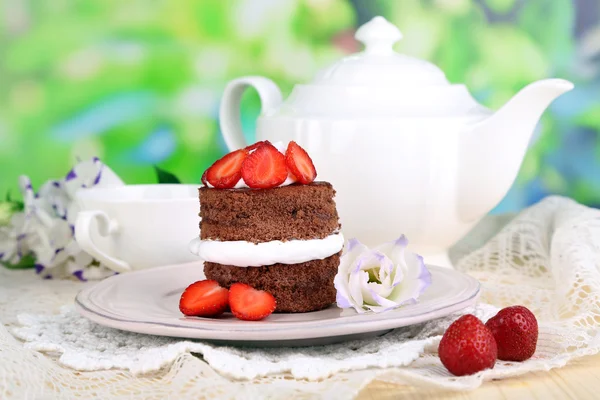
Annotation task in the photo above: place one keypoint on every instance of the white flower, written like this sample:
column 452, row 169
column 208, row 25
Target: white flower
column 11, row 249
column 45, row 228
column 86, row 174
column 381, row 279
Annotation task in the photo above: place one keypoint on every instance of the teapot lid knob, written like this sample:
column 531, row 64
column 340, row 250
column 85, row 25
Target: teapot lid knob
column 378, row 35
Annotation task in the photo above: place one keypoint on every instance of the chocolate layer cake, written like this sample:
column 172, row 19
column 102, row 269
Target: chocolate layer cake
column 297, row 215
column 283, row 213
column 308, row 287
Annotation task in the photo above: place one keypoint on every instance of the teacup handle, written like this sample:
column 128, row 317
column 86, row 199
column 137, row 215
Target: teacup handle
column 106, row 227
column 229, row 113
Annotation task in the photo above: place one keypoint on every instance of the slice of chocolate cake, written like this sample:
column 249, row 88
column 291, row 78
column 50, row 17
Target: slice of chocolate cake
column 261, row 215
column 284, row 240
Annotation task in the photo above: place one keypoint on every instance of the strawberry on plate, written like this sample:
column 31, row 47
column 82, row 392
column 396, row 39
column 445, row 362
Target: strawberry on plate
column 467, row 346
column 300, row 164
column 204, row 299
column 516, row 332
column 249, row 304
column 226, row 171
column 264, row 168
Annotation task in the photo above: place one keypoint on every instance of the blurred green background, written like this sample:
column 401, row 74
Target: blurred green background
column 138, row 82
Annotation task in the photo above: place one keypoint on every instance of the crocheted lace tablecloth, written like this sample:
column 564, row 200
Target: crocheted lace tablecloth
column 546, row 258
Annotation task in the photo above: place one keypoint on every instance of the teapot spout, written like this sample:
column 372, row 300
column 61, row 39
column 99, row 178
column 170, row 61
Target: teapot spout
column 496, row 146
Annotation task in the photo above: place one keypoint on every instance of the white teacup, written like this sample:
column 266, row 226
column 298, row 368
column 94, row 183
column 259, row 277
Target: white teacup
column 134, row 227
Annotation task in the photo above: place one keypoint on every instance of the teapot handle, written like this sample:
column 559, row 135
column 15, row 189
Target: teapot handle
column 229, row 114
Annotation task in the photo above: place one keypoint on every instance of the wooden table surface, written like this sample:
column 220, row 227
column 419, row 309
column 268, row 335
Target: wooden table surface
column 580, row 379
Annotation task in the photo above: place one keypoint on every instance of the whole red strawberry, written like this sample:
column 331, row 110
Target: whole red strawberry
column 516, row 332
column 467, row 347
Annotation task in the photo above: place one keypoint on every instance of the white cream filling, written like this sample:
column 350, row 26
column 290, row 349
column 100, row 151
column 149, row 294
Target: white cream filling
column 248, row 254
column 241, row 184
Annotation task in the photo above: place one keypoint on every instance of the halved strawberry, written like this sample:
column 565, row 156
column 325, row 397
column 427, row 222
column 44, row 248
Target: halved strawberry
column 249, row 304
column 226, row 171
column 299, row 163
column 256, row 145
column 264, row 168
column 204, row 299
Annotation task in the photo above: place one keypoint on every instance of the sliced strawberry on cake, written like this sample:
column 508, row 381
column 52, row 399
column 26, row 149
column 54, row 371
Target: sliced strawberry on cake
column 227, row 171
column 265, row 168
column 300, row 164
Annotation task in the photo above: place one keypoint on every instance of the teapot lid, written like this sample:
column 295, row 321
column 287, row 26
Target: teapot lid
column 380, row 82
column 379, row 64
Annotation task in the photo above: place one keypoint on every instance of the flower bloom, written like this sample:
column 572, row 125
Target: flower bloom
column 380, row 279
column 45, row 227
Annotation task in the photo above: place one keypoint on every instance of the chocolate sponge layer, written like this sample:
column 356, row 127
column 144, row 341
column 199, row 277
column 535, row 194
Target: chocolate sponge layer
column 300, row 287
column 261, row 215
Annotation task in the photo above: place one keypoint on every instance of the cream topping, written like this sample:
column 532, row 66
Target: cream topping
column 241, row 184
column 247, row 254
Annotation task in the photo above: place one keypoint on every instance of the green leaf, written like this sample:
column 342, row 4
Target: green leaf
column 27, row 261
column 16, row 205
column 7, row 209
column 164, row 176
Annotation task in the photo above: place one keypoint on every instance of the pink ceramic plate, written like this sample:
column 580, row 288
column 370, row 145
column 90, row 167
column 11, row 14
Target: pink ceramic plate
column 147, row 302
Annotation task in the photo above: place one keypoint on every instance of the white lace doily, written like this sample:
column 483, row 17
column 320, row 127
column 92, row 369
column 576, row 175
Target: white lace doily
column 546, row 258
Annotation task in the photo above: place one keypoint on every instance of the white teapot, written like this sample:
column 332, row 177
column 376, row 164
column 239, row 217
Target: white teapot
column 406, row 151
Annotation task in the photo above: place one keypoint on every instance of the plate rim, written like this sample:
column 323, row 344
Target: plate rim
column 266, row 335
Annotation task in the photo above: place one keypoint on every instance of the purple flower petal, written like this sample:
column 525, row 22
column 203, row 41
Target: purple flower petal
column 71, row 175
column 56, row 184
column 424, row 275
column 379, row 256
column 79, row 275
column 352, row 243
column 342, row 301
column 382, row 301
column 95, row 159
column 408, row 302
column 358, row 266
column 401, row 241
column 39, row 268
column 97, row 179
column 48, row 277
